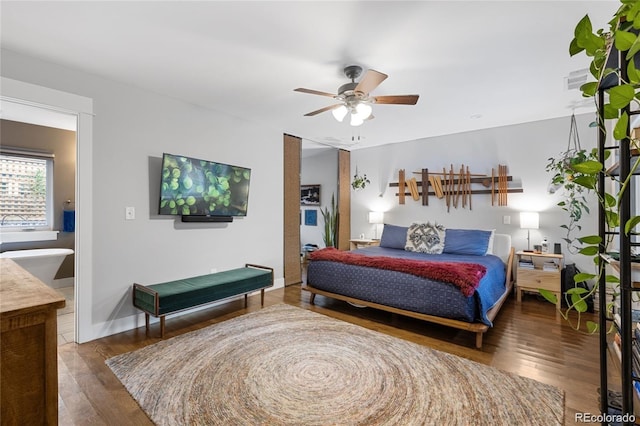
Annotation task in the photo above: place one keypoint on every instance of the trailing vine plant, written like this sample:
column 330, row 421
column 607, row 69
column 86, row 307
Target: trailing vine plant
column 622, row 33
column 360, row 181
column 573, row 171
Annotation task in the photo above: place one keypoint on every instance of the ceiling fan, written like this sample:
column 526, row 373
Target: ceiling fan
column 355, row 97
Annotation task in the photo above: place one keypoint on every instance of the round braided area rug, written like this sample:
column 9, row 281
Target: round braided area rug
column 284, row 365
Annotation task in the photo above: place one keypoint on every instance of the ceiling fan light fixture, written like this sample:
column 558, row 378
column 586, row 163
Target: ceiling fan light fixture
column 339, row 113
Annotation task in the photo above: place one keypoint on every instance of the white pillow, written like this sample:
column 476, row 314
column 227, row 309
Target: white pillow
column 491, row 238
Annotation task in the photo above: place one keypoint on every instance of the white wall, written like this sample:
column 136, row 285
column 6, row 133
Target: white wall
column 322, row 169
column 524, row 148
column 132, row 128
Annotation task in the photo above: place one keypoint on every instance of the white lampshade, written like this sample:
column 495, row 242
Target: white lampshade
column 376, row 217
column 340, row 112
column 363, row 111
column 529, row 220
column 356, row 120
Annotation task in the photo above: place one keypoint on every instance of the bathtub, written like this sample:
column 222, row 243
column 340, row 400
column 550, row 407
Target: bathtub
column 42, row 263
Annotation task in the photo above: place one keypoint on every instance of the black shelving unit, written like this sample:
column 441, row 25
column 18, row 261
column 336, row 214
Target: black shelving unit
column 617, row 60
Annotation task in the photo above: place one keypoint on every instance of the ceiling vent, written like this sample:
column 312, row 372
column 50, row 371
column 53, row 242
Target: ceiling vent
column 577, row 78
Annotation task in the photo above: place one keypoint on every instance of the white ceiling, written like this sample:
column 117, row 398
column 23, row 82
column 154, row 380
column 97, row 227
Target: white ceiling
column 475, row 64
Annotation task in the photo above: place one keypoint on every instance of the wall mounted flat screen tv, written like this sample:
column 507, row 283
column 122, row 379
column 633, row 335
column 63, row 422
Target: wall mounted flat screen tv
column 194, row 187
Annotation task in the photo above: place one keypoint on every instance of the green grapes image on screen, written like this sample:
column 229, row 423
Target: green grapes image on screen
column 198, row 187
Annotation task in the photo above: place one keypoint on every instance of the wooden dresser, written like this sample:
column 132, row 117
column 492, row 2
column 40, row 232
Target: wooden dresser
column 28, row 348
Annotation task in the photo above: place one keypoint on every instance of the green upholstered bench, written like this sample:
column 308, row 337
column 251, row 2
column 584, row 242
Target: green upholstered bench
column 175, row 296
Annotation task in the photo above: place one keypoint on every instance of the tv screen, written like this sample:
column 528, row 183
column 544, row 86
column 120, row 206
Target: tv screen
column 193, row 187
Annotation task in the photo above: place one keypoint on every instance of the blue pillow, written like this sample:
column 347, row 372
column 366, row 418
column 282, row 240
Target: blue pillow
column 466, row 241
column 394, row 236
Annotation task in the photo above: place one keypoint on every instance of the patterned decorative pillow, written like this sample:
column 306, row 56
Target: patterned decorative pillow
column 425, row 238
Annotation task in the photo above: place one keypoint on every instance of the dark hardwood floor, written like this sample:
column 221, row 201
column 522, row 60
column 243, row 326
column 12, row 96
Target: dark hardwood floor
column 527, row 339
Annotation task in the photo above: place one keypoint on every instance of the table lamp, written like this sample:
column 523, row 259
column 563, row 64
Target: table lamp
column 377, row 218
column 528, row 221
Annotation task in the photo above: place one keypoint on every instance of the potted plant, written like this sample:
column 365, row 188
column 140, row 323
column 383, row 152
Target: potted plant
column 330, row 216
column 575, row 174
column 359, row 181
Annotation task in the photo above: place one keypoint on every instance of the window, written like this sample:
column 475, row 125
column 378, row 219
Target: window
column 26, row 189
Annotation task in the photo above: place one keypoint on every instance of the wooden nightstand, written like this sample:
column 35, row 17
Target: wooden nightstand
column 360, row 243
column 539, row 271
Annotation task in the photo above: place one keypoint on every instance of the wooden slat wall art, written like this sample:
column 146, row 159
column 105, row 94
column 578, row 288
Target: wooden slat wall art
column 493, row 186
column 425, row 187
column 401, row 186
column 454, row 186
column 413, row 189
column 502, row 185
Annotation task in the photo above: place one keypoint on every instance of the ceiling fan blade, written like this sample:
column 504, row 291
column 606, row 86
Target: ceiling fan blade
column 370, row 81
column 397, row 99
column 321, row 110
column 314, row 92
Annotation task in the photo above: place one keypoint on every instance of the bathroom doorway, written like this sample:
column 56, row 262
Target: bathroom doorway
column 33, row 136
column 45, row 100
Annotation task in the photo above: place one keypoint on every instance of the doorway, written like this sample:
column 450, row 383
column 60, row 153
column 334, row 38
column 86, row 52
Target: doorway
column 44, row 142
column 27, row 94
column 293, row 213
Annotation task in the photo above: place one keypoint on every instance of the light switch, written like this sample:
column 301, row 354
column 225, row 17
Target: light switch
column 506, row 220
column 129, row 213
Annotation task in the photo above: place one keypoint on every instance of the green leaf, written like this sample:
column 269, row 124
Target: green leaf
column 632, row 13
column 624, row 40
column 590, row 239
column 574, row 49
column 610, row 200
column 548, row 295
column 589, row 167
column 577, row 291
column 589, row 89
column 612, row 279
column 620, row 131
column 583, row 28
column 578, row 303
column 589, row 250
column 632, row 72
column 631, row 224
column 633, row 50
column 621, row 96
column 586, row 181
column 583, row 276
column 610, row 112
column 592, row 327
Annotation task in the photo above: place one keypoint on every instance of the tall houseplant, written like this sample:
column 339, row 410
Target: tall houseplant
column 623, row 35
column 330, row 216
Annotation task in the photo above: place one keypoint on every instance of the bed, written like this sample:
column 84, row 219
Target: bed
column 431, row 284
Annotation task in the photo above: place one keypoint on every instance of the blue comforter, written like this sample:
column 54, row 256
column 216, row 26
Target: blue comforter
column 409, row 292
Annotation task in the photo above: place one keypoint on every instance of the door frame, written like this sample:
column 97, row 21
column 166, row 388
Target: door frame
column 44, row 97
column 292, row 155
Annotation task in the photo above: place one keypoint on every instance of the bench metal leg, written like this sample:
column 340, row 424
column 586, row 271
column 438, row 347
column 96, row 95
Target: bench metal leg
column 162, row 327
column 146, row 323
column 262, row 297
column 245, row 300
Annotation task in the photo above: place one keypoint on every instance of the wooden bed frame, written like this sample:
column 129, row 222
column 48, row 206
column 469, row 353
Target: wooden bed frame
column 474, row 327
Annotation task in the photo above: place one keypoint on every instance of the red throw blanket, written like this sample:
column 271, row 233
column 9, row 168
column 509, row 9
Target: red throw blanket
column 466, row 276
